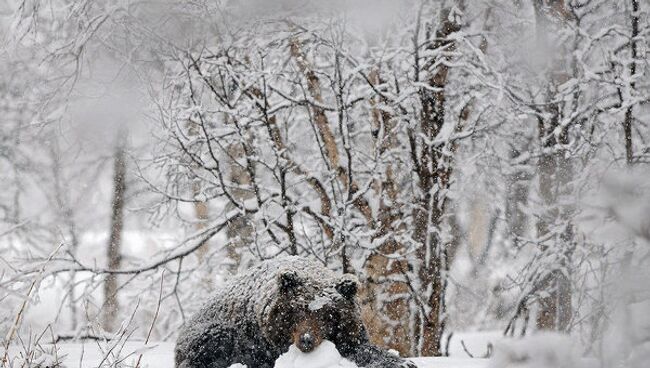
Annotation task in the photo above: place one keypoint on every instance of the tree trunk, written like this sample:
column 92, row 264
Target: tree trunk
column 517, row 189
column 67, row 214
column 111, row 303
column 239, row 231
column 201, row 207
column 629, row 117
column 555, row 175
column 434, row 169
column 554, row 179
column 384, row 299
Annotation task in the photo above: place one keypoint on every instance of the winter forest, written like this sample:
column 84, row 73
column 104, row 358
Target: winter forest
column 481, row 166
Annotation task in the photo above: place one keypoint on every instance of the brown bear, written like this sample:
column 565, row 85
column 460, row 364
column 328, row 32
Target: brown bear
column 257, row 315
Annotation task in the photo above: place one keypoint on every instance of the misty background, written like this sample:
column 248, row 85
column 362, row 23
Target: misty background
column 481, row 166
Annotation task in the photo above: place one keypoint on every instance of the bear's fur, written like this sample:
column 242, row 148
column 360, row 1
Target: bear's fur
column 256, row 316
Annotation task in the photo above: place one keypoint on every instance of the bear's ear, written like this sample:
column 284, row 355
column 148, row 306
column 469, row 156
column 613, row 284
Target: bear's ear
column 289, row 280
column 347, row 286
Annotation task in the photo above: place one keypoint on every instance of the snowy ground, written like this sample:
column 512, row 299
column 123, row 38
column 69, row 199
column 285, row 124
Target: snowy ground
column 90, row 354
column 161, row 355
column 544, row 350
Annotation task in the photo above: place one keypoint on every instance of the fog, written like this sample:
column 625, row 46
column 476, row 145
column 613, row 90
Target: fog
column 479, row 167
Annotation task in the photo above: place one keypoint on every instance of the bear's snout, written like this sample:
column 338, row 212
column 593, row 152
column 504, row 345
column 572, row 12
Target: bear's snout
column 307, row 334
column 306, row 343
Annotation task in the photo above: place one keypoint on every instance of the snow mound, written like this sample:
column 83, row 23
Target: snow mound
column 325, row 356
column 543, row 350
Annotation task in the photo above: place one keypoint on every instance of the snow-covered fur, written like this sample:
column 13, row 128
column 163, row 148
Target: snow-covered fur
column 256, row 316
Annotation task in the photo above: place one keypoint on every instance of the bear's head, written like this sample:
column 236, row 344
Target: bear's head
column 308, row 310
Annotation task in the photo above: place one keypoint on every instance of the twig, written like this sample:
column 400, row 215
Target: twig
column 462, row 343
column 21, row 311
column 155, row 316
